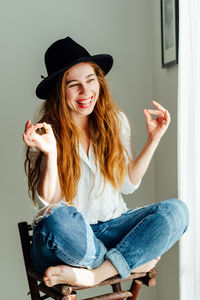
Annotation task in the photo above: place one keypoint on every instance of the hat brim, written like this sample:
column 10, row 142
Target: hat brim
column 104, row 61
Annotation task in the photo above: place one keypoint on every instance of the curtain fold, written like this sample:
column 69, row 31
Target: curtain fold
column 189, row 145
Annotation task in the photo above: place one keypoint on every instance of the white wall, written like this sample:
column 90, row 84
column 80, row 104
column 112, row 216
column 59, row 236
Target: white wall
column 121, row 28
column 165, row 90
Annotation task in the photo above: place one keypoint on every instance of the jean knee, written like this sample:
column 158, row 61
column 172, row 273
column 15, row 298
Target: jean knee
column 179, row 210
column 59, row 218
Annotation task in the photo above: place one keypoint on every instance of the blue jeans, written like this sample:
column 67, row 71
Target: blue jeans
column 131, row 240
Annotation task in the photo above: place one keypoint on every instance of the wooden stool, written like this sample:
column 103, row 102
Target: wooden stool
column 36, row 284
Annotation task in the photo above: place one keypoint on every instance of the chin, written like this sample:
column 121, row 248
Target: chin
column 87, row 113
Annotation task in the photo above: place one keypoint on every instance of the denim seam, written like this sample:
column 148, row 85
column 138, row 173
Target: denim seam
column 67, row 256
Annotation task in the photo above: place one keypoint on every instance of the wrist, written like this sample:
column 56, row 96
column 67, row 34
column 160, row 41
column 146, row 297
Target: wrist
column 51, row 155
column 153, row 140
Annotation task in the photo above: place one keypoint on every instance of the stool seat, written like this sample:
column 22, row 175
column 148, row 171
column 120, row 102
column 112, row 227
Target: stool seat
column 68, row 292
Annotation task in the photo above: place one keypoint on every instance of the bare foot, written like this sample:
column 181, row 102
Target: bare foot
column 85, row 277
column 147, row 267
column 70, row 275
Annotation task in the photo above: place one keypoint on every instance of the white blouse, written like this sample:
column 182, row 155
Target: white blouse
column 96, row 206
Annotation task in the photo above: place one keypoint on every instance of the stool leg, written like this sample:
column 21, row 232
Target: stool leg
column 34, row 291
column 116, row 287
column 135, row 288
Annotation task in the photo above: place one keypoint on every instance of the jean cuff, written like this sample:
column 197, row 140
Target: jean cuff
column 119, row 262
column 101, row 257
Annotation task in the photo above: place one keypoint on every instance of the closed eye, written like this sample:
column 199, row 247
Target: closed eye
column 72, row 85
column 92, row 79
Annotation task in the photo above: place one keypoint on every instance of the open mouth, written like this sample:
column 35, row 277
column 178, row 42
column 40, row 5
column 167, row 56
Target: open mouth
column 85, row 102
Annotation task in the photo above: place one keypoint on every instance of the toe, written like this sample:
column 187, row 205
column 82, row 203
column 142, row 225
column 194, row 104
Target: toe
column 49, row 272
column 49, row 283
column 45, row 278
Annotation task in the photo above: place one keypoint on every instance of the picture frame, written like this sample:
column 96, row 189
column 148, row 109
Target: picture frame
column 169, row 32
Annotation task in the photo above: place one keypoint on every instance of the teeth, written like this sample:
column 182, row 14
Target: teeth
column 85, row 101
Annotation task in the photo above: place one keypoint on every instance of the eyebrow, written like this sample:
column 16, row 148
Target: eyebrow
column 77, row 80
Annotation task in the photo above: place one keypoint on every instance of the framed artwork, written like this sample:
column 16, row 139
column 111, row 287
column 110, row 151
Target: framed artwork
column 169, row 32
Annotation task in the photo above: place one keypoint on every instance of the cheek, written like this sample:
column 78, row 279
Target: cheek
column 97, row 90
column 69, row 97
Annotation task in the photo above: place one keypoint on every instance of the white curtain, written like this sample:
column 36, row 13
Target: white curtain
column 189, row 144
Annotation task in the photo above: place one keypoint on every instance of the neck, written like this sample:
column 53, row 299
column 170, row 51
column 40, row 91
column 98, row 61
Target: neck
column 82, row 123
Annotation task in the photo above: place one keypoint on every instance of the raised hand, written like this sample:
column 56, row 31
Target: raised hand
column 44, row 142
column 157, row 127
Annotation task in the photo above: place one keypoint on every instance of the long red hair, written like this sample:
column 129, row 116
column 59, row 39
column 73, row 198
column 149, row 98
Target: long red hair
column 105, row 128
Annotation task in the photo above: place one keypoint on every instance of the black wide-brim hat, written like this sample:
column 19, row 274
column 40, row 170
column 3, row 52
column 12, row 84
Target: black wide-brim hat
column 62, row 55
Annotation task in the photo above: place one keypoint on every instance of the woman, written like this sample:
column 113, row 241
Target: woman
column 78, row 165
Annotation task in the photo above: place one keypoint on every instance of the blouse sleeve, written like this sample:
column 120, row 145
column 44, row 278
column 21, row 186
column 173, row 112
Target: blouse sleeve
column 127, row 187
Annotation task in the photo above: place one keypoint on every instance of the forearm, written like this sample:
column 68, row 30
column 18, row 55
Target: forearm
column 138, row 167
column 48, row 186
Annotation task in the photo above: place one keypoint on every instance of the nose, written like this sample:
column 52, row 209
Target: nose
column 83, row 89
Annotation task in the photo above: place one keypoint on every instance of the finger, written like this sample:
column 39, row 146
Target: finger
column 27, row 125
column 27, row 141
column 33, row 128
column 47, row 127
column 162, row 122
column 147, row 116
column 23, row 136
column 165, row 121
column 41, row 130
column 156, row 112
column 27, row 138
column 38, row 125
column 167, row 115
column 160, row 107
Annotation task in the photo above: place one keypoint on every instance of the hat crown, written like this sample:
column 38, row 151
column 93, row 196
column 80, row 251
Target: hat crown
column 63, row 52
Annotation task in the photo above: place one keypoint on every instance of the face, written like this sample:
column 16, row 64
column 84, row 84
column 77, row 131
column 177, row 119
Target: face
column 82, row 90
